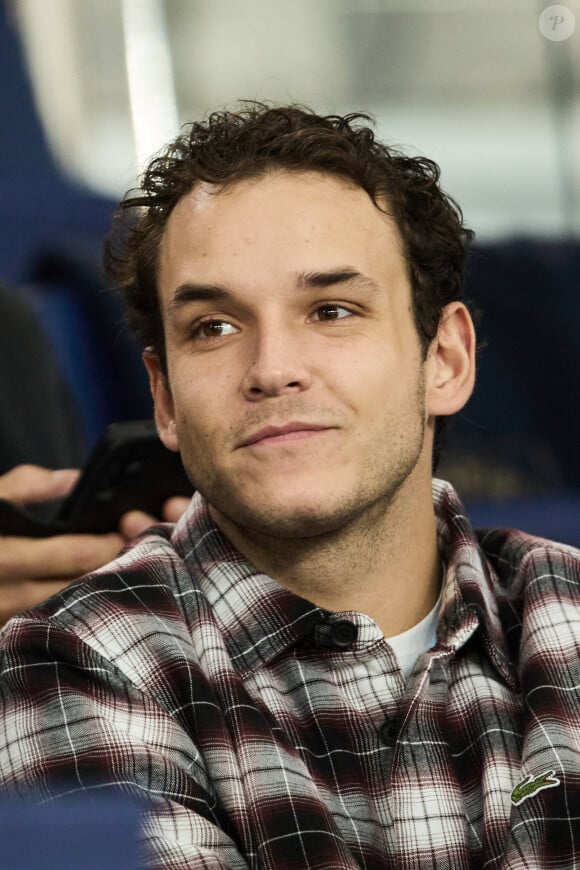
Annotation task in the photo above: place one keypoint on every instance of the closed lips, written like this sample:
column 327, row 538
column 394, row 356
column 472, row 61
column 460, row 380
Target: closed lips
column 274, row 431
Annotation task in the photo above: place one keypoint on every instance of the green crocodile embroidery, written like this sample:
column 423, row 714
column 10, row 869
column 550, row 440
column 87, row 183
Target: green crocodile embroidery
column 531, row 785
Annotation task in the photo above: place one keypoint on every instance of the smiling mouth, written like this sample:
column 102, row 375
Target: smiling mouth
column 285, row 434
column 285, row 437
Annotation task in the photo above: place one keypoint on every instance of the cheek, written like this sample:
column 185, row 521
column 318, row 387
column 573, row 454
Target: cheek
column 200, row 410
column 393, row 389
column 191, row 402
column 371, row 372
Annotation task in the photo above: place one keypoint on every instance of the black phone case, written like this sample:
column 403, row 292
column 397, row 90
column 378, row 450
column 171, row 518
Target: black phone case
column 129, row 469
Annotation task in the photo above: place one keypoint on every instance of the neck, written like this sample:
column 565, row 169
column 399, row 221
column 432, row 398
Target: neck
column 385, row 563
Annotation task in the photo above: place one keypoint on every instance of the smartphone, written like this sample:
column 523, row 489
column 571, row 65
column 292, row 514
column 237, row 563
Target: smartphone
column 129, row 469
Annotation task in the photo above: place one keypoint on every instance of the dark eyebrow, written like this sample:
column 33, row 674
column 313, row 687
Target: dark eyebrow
column 190, row 292
column 319, row 280
column 197, row 293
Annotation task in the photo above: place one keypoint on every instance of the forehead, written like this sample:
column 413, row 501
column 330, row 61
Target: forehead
column 275, row 218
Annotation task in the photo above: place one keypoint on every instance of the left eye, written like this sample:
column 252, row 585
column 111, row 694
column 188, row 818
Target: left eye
column 332, row 312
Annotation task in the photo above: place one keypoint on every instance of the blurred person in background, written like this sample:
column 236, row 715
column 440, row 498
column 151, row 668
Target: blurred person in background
column 41, row 427
column 322, row 664
column 40, row 421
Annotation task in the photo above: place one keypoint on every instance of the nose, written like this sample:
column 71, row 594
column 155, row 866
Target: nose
column 279, row 365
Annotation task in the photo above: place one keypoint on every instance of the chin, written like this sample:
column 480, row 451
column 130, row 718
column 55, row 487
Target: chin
column 298, row 524
column 305, row 505
column 287, row 515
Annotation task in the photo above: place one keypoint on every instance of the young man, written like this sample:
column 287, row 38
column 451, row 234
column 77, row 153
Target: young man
column 321, row 665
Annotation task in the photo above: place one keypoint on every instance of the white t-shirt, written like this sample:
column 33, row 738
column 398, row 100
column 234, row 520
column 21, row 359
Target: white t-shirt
column 412, row 643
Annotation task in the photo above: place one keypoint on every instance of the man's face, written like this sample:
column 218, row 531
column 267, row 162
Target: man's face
column 286, row 302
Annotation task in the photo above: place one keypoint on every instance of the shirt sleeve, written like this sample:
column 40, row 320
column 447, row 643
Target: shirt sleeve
column 70, row 721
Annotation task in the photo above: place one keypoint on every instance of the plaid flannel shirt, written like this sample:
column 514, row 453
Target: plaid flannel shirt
column 269, row 733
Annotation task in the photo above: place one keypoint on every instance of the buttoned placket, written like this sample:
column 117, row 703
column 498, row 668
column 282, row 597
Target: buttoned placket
column 367, row 672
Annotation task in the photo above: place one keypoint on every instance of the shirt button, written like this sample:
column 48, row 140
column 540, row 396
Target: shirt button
column 342, row 634
column 388, row 733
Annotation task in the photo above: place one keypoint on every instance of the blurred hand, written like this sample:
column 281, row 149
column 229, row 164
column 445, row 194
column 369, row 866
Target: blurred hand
column 32, row 569
column 135, row 522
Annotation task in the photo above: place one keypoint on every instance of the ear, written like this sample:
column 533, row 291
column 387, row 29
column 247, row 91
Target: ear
column 451, row 362
column 163, row 400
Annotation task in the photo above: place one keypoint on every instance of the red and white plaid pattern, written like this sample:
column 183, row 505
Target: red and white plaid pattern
column 182, row 675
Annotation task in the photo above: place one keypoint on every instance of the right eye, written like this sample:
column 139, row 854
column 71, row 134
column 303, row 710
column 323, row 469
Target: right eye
column 214, row 329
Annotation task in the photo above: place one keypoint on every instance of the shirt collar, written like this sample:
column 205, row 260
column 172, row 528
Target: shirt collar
column 260, row 619
column 471, row 589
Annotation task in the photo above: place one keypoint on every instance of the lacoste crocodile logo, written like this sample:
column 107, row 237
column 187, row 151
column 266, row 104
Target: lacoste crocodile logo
column 531, row 785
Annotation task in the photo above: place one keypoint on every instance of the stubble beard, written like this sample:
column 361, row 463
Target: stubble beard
column 359, row 511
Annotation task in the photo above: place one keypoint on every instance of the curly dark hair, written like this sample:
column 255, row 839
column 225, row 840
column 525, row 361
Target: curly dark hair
column 230, row 146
